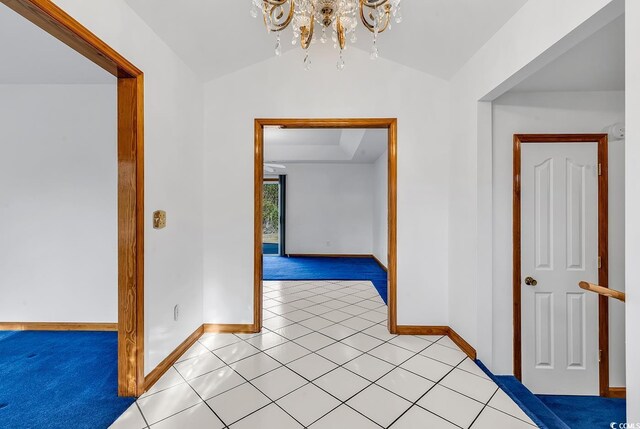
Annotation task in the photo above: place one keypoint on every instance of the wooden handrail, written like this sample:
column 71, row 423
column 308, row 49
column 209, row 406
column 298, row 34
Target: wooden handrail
column 611, row 293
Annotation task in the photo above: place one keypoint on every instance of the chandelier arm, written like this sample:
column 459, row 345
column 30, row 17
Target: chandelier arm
column 373, row 3
column 341, row 35
column 271, row 22
column 306, row 33
column 387, row 21
column 365, row 19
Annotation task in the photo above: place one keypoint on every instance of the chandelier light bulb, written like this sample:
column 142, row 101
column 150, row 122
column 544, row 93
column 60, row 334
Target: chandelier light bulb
column 339, row 17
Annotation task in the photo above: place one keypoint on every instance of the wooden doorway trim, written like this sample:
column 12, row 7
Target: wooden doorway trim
column 603, row 245
column 60, row 25
column 391, row 124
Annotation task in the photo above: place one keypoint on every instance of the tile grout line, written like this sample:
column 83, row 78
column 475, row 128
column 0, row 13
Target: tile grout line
column 415, row 403
column 342, row 366
column 290, row 307
column 201, row 398
column 483, row 408
column 261, row 392
column 371, row 383
column 141, row 413
column 395, row 367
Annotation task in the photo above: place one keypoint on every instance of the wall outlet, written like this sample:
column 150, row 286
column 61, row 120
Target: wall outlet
column 176, row 312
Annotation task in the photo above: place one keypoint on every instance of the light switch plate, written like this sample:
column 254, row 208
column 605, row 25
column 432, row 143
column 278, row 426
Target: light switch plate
column 159, row 219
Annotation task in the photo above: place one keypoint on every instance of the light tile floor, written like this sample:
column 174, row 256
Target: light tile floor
column 324, row 360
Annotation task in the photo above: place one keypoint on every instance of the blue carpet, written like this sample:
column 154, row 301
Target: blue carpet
column 59, row 380
column 527, row 401
column 587, row 411
column 303, row 268
column 561, row 412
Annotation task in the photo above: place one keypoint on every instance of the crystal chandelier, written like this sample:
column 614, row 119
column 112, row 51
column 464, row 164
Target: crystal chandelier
column 337, row 17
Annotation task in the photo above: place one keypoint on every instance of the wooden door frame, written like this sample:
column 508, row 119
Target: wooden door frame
column 60, row 25
column 391, row 124
column 603, row 246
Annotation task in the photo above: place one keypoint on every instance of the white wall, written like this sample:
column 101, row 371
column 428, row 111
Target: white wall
column 535, row 36
column 279, row 87
column 632, row 225
column 553, row 112
column 58, row 203
column 380, row 208
column 173, row 172
column 329, row 209
column 540, row 32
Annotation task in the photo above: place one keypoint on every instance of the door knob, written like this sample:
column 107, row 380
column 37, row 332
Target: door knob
column 530, row 281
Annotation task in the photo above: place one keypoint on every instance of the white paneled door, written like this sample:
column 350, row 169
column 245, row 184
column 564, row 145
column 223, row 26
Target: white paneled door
column 559, row 221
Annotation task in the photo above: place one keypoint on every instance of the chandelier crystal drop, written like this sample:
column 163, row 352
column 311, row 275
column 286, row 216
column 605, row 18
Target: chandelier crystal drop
column 337, row 19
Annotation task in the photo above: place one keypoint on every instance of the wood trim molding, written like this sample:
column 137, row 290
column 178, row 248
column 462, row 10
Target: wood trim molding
column 392, row 225
column 463, row 344
column 53, row 20
column 389, row 123
column 57, row 326
column 439, row 330
column 258, row 172
column 328, row 122
column 130, row 236
column 229, row 328
column 422, row 330
column 167, row 362
column 603, row 245
column 617, row 392
column 164, row 366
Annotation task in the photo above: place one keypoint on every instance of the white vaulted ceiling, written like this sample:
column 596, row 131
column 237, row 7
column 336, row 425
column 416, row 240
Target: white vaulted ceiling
column 217, row 37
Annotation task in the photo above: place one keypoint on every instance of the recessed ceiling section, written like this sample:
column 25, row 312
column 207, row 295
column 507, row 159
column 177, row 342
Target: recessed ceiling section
column 32, row 56
column 218, row 37
column 352, row 146
column 596, row 64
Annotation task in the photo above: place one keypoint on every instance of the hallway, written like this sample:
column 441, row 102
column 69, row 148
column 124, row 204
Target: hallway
column 324, row 360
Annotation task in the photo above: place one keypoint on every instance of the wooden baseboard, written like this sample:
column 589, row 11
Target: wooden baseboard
column 421, row 330
column 464, row 346
column 617, row 392
column 379, row 263
column 328, row 255
column 229, row 328
column 336, row 255
column 151, row 378
column 163, row 366
column 439, row 330
column 57, row 326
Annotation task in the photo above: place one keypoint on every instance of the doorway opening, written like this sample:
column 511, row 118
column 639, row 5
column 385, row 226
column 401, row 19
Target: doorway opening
column 580, row 217
column 273, row 216
column 130, row 187
column 321, row 258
